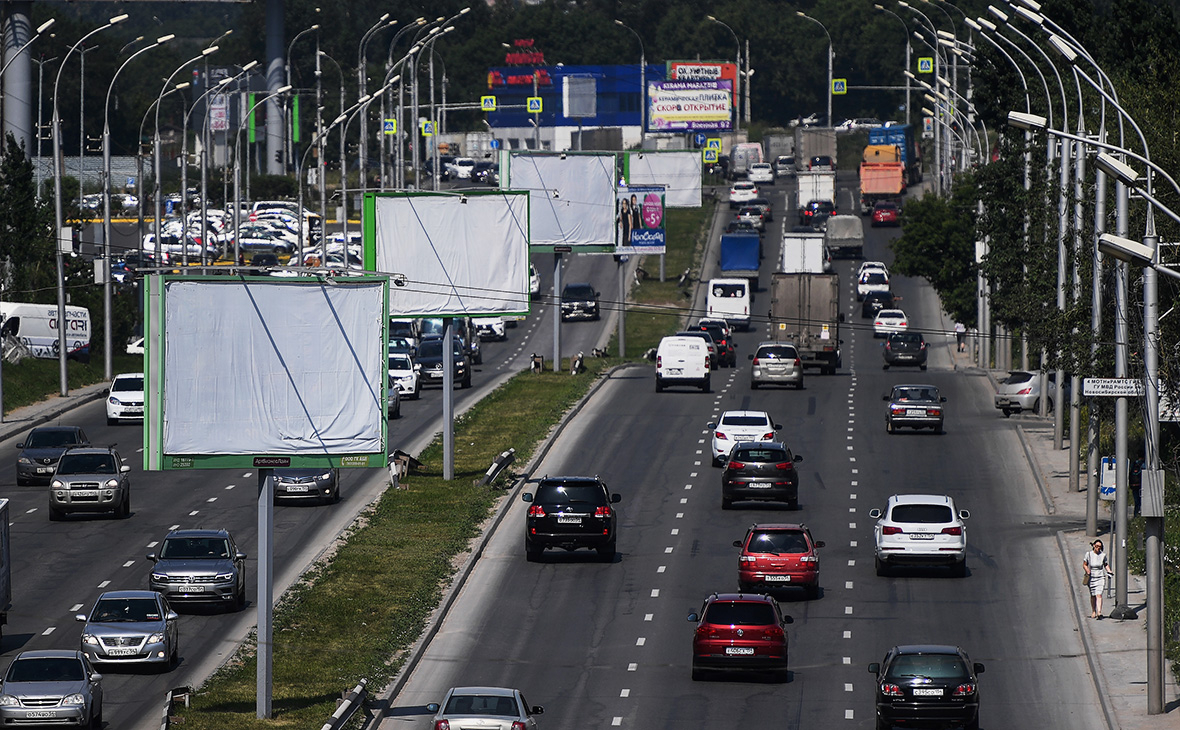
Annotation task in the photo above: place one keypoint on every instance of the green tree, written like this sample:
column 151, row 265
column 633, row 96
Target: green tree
column 26, row 231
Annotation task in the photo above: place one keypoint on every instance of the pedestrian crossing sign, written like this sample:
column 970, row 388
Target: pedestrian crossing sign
column 839, row 86
column 389, row 126
column 926, row 65
column 713, row 143
column 709, row 155
column 487, row 103
column 534, row 103
column 427, row 128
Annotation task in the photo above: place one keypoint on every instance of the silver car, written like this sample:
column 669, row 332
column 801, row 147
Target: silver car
column 318, row 485
column 51, row 688
column 1021, row 391
column 776, row 363
column 488, row 708
column 90, row 479
column 131, row 627
column 199, row 566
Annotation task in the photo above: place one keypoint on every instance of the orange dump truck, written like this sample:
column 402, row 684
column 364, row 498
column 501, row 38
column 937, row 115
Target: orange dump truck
column 882, row 175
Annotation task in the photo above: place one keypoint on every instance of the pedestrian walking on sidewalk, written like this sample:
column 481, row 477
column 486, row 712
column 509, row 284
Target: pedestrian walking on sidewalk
column 1097, row 567
column 961, row 335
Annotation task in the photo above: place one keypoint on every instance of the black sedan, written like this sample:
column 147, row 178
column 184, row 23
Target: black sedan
column 874, row 302
column 914, row 406
column 42, row 450
column 760, row 471
column 927, row 684
column 905, row 348
column 570, row 513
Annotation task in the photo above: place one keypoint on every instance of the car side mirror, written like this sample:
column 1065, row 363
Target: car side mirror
column 778, row 427
column 21, row 445
column 152, row 557
column 106, row 391
column 239, row 556
column 798, row 458
column 875, row 513
column 788, row 620
column 737, row 543
column 616, row 498
column 124, row 469
column 417, row 367
column 694, row 617
column 964, row 514
column 819, row 543
column 875, row 668
column 80, row 617
column 432, row 707
column 748, row 357
column 711, row 425
column 526, row 497
column 942, row 399
column 537, row 710
column 978, row 668
column 884, row 397
column 96, row 677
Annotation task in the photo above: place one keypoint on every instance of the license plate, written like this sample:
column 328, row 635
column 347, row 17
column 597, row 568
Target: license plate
column 928, row 692
column 133, row 412
column 739, row 650
column 190, row 588
column 44, row 469
column 82, row 493
column 564, row 520
column 915, row 411
column 756, row 485
column 297, row 488
column 121, row 652
column 40, row 714
column 921, row 536
column 778, row 579
column 674, row 371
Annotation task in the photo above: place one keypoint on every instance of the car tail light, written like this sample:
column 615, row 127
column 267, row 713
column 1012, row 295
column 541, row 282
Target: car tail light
column 603, row 511
column 809, row 559
column 756, row 362
column 518, row 725
column 934, row 411
column 659, row 361
column 442, row 725
column 785, row 466
column 769, row 436
column 747, row 559
column 903, row 323
column 891, row 690
column 737, row 465
column 891, row 530
column 798, row 363
column 887, row 346
column 772, row 632
column 922, row 345
column 721, row 436
column 1025, row 391
column 536, row 511
column 708, row 362
column 952, row 531
column 706, row 631
column 897, row 410
column 967, row 688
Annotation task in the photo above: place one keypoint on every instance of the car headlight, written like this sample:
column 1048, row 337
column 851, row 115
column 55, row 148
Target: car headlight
column 155, row 639
column 24, row 460
column 325, row 476
column 112, row 484
column 57, row 484
column 113, row 401
column 75, row 699
column 224, row 576
column 89, row 639
column 9, row 701
column 159, row 577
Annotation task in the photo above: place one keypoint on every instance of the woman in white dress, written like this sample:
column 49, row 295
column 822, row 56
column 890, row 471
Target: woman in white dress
column 1097, row 567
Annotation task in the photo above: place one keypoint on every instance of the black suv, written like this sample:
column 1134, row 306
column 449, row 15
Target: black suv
column 874, row 302
column 430, row 357
column 816, row 213
column 579, row 301
column 925, row 683
column 41, row 451
column 905, row 348
column 570, row 513
column 760, row 471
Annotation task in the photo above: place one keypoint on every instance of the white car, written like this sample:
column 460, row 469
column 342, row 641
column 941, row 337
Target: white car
column 741, row 193
column 125, row 398
column 872, row 280
column 920, row 529
column 761, row 172
column 461, row 168
column 534, row 283
column 490, row 328
column 736, row 426
column 889, row 321
column 404, row 374
column 135, row 346
column 874, row 265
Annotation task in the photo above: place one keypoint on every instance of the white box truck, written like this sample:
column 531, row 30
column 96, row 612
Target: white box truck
column 803, row 253
column 815, row 186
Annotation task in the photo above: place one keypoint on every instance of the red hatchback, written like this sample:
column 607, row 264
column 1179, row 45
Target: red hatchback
column 740, row 631
column 778, row 556
column 886, row 213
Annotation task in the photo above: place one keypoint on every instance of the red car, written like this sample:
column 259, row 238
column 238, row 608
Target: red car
column 740, row 631
column 779, row 556
column 886, row 213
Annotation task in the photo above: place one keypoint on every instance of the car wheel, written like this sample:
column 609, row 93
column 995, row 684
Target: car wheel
column 783, row 675
column 96, row 719
column 726, row 502
column 799, row 385
column 697, row 673
column 417, row 393
column 532, row 554
column 959, row 570
column 54, row 514
column 659, row 386
column 479, row 358
column 1007, row 412
column 880, row 566
column 112, row 421
column 240, row 598
column 124, row 510
column 811, row 592
column 754, row 385
column 22, row 482
column 973, row 723
column 922, row 367
column 885, row 366
column 793, row 504
column 939, row 430
column 705, row 386
column 889, row 426
column 882, row 725
column 466, row 382
column 607, row 553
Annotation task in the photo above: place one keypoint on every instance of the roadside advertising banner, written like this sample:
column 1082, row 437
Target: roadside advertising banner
column 704, row 71
column 639, row 219
column 680, row 106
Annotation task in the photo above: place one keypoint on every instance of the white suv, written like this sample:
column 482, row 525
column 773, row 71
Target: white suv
column 125, row 398
column 736, row 426
column 920, row 529
column 741, row 193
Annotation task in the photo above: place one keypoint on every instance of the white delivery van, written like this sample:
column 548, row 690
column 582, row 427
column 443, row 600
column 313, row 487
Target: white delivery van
column 729, row 299
column 682, row 361
column 35, row 325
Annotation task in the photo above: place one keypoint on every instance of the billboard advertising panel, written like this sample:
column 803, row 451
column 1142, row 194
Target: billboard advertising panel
column 572, row 198
column 679, row 171
column 704, row 71
column 640, row 219
column 685, row 106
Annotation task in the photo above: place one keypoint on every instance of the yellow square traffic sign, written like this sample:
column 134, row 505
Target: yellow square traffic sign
column 427, row 128
column 713, row 143
column 389, row 126
column 487, row 103
column 926, row 65
column 709, row 155
column 839, row 86
column 534, row 103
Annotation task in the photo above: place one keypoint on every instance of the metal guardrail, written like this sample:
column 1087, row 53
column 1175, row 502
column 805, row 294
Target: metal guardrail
column 348, row 706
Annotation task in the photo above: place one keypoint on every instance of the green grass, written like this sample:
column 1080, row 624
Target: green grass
column 33, row 380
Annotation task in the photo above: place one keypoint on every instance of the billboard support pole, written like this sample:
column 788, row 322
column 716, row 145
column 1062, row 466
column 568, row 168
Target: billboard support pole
column 265, row 672
column 557, row 312
column 622, row 266
column 448, row 416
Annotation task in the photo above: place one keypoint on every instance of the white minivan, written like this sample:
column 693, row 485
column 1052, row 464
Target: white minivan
column 35, row 325
column 729, row 299
column 682, row 361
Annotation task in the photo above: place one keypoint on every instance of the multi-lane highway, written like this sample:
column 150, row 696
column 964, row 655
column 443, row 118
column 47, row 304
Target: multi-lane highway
column 60, row 568
column 608, row 645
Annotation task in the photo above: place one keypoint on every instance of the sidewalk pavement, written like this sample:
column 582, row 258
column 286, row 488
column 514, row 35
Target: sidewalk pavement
column 19, row 421
column 1116, row 650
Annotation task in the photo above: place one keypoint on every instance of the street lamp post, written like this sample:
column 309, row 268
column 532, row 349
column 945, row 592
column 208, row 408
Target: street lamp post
column 362, row 85
column 287, row 111
column 323, row 200
column 802, row 14
column 909, row 49
column 737, row 92
column 642, row 90
column 238, row 169
column 57, row 176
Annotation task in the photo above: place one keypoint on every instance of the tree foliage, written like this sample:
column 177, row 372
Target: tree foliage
column 939, row 245
column 26, row 231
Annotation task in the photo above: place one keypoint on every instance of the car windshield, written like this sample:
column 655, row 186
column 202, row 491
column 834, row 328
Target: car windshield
column 481, row 705
column 777, row 352
column 134, row 385
column 729, row 291
column 920, row 394
column 874, row 277
column 922, row 514
column 744, row 421
column 433, row 348
column 569, row 493
column 75, row 463
column 432, row 326
column 909, row 338
column 125, row 610
column 933, row 666
column 49, row 439
column 399, row 362
column 886, row 206
column 188, row 548
column 731, row 613
column 401, row 329
column 761, row 454
column 777, row 541
column 1015, row 378
column 399, row 343
column 45, row 669
column 583, row 291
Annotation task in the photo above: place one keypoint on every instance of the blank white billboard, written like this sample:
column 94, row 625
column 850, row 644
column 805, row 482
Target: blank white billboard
column 572, row 198
column 678, row 171
column 451, row 254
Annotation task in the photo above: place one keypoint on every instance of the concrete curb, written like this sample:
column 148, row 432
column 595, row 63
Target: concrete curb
column 79, row 397
column 1046, row 498
column 399, row 681
column 1095, row 673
